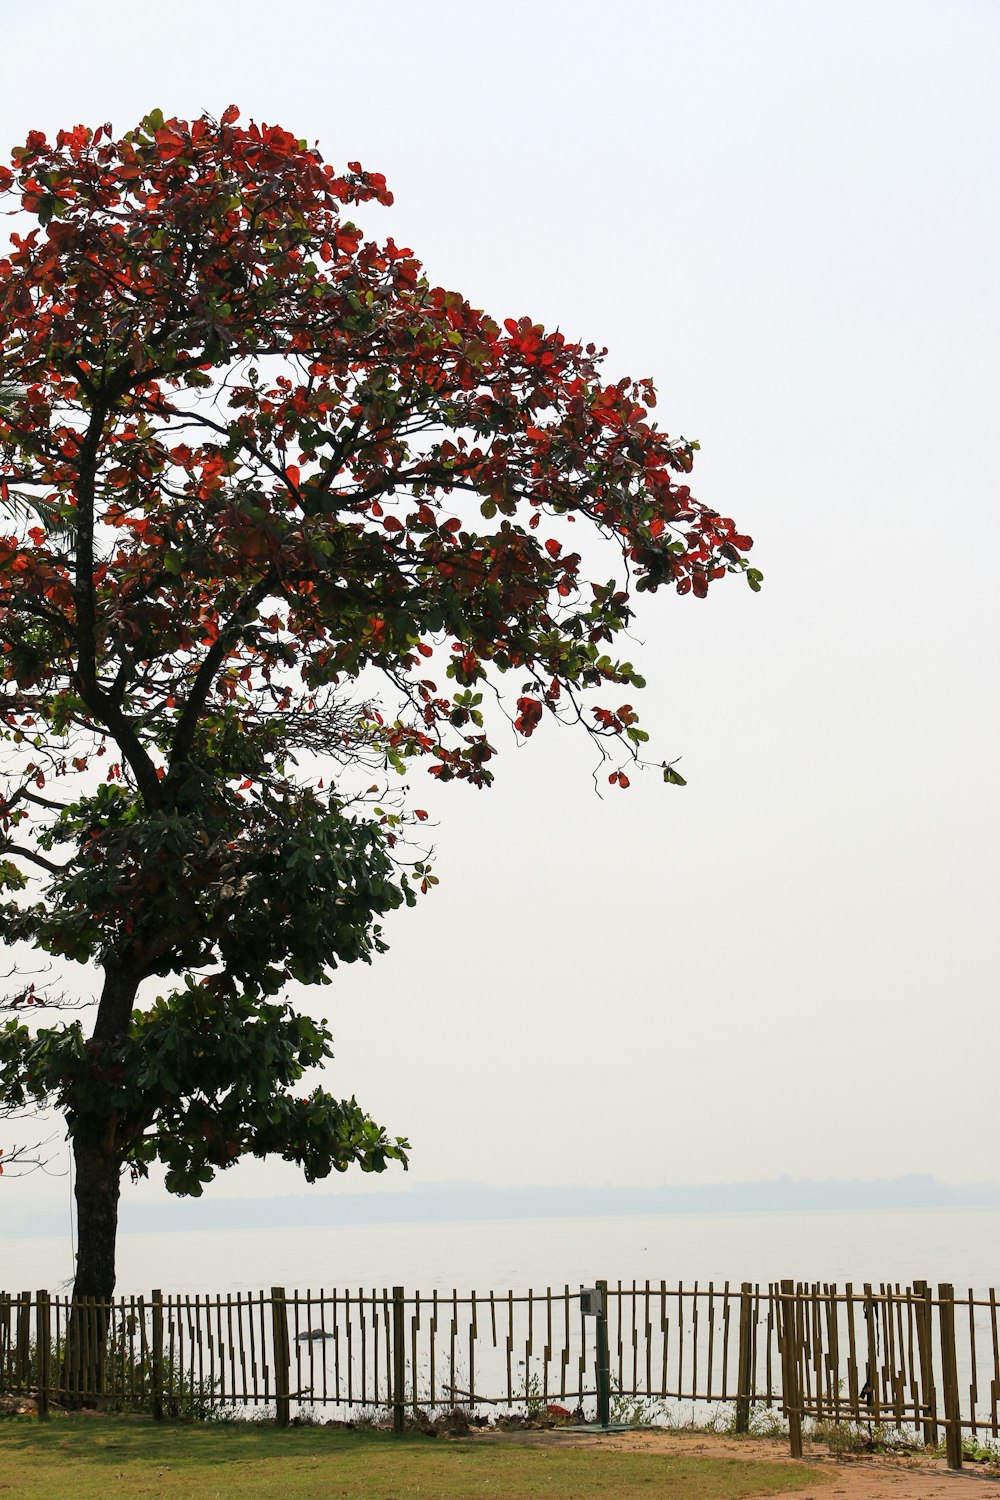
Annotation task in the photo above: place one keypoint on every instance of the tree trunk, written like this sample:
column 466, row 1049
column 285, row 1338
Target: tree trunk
column 98, row 1184
column 98, row 1161
column 97, row 1155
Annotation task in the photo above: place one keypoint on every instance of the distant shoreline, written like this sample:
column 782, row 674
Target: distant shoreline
column 477, row 1202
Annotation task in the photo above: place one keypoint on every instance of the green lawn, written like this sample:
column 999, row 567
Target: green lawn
column 90, row 1458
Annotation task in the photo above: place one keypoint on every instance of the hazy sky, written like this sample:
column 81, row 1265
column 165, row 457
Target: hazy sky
column 787, row 213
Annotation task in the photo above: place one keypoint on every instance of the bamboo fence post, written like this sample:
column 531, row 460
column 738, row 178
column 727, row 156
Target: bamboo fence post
column 398, row 1357
column 88, row 1313
column 925, row 1358
column 24, row 1341
column 156, row 1353
column 949, row 1373
column 745, row 1359
column 43, row 1348
column 73, row 1357
column 4, row 1341
column 790, row 1368
column 282, row 1360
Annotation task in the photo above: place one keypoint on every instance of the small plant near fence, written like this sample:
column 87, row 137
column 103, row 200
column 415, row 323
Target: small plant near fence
column 987, row 1452
column 630, row 1410
column 182, row 1399
column 767, row 1422
column 848, row 1439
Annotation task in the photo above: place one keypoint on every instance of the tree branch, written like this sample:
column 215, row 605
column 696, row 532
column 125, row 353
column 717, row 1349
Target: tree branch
column 86, row 633
column 187, row 722
column 86, row 626
column 37, row 859
column 23, row 795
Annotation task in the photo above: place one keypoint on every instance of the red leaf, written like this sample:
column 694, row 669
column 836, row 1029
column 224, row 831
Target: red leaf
column 348, row 239
column 529, row 715
column 170, row 143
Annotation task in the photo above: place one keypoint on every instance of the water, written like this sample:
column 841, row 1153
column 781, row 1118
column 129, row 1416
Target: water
column 957, row 1245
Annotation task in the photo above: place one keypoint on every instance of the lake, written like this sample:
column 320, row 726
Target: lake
column 957, row 1245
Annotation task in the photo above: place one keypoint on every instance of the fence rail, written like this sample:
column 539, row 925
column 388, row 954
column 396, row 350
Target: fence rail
column 880, row 1354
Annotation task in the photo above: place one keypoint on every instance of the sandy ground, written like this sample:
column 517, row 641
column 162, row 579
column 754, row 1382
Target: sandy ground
column 863, row 1478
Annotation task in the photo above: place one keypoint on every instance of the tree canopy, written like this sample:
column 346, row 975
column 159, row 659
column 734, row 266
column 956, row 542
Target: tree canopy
column 280, row 519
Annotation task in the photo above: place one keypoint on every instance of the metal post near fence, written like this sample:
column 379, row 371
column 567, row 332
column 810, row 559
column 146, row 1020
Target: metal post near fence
column 603, row 1358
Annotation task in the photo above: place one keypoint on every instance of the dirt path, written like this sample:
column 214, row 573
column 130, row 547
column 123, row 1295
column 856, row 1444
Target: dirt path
column 864, row 1478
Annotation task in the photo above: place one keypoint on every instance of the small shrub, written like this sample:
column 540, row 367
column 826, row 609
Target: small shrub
column 849, row 1439
column 766, row 1422
column 128, row 1378
column 975, row 1452
column 634, row 1411
column 844, row 1439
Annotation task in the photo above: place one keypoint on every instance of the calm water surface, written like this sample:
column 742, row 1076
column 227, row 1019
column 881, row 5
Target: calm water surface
column 957, row 1245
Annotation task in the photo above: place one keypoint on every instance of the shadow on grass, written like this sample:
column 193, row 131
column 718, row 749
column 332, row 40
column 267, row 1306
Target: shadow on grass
column 84, row 1458
column 112, row 1440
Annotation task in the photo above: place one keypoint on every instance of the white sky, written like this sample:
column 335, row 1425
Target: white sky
column 788, row 214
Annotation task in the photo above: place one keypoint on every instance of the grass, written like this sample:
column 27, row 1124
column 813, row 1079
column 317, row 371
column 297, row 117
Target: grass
column 89, row 1458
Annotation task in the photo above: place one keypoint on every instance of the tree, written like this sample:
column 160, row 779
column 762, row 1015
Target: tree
column 279, row 513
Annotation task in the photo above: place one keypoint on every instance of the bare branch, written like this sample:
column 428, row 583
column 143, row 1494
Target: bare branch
column 33, row 997
column 23, row 1159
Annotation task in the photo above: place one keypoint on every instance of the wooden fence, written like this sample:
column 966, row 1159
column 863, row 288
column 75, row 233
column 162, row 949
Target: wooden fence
column 887, row 1355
